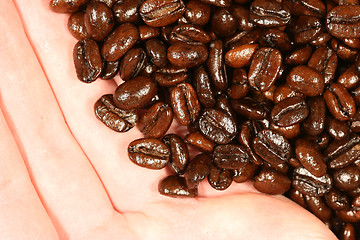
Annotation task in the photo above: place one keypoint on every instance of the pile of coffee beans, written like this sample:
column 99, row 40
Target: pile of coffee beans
column 269, row 91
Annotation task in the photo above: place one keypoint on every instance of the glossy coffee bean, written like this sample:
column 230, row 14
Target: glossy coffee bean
column 197, row 170
column 347, row 216
column 126, row 11
column 240, row 56
column 242, row 38
column 308, row 184
column 269, row 13
column 109, row 3
column 272, row 146
column 307, row 7
column 298, row 197
column 310, row 157
column 166, row 79
column 337, row 200
column 197, row 13
column 275, row 38
column 220, row 178
column 223, row 23
column 156, row 51
column 99, row 20
column 203, row 87
column 288, row 132
column 189, row 33
column 135, row 93
column 345, row 158
column 161, row 13
column 132, row 63
column 76, row 26
column 244, row 173
column 299, row 56
column 218, row 3
column 198, row 140
column 336, row 148
column 146, row 32
column 264, row 68
column 284, row 91
column 249, row 108
column 67, row 6
column 337, row 129
column 217, row 126
column 271, row 182
column 342, row 21
column 115, row 118
column 347, row 178
column 187, row 55
column 306, row 29
column 239, row 85
column 175, row 186
column 289, row 112
column 215, row 65
column 230, row 156
column 156, row 120
column 315, row 122
column 318, row 207
column 110, row 70
column 149, row 153
column 241, row 15
column 121, row 40
column 350, row 79
column 343, row 51
column 87, row 60
column 306, row 80
column 185, row 104
column 179, row 157
column 349, row 232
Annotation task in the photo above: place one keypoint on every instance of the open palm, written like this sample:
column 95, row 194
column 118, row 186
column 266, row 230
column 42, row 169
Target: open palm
column 64, row 175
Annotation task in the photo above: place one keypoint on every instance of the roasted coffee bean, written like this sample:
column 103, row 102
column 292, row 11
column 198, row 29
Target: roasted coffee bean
column 308, row 184
column 299, row 56
column 219, row 178
column 271, row 182
column 337, row 129
column 343, row 52
column 241, row 15
column 337, row 200
column 314, row 124
column 188, row 33
column 264, row 68
column 284, row 91
column 149, row 153
column 132, row 63
column 239, row 85
column 305, row 29
column 135, row 93
column 339, row 102
column 336, row 148
column 244, row 173
column 348, row 232
column 310, row 157
column 348, row 178
column 197, row 170
column 87, row 60
column 306, row 7
column 67, row 6
column 170, row 80
column 269, row 13
column 156, row 120
column 203, row 87
column 347, row 216
column 288, row 132
column 282, row 168
column 350, row 79
column 187, row 55
column 175, row 186
column 306, row 80
column 352, row 42
column 342, row 21
column 294, row 162
column 318, row 207
column 110, row 70
column 179, row 158
column 156, row 50
column 298, row 197
column 215, row 65
column 76, row 26
column 121, row 40
column 146, row 32
column 217, row 126
column 242, row 38
column 161, row 13
column 109, row 3
column 218, row 3
column 115, row 118
column 356, row 206
column 197, row 13
column 198, row 140
column 272, row 146
column 355, row 122
column 325, row 61
column 223, row 23
column 275, row 38
column 126, row 11
column 240, row 56
column 185, row 103
column 230, row 156
column 249, row 108
column 99, row 20
column 289, row 112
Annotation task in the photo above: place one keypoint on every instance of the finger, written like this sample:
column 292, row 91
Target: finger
column 65, row 180
column 21, row 212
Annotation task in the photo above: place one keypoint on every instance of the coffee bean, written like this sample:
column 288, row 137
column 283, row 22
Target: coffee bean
column 197, row 170
column 156, row 50
column 249, row 108
column 315, row 122
column 126, row 11
column 288, row 132
column 239, row 85
column 347, row 216
column 204, row 90
column 348, row 178
column 276, row 38
column 343, row 51
column 67, row 6
column 146, row 32
column 240, row 56
column 218, row 3
column 269, row 13
column 348, row 232
column 307, row 7
column 241, row 15
column 223, row 23
column 289, row 112
column 99, row 20
column 284, row 91
column 175, row 186
column 198, row 140
column 197, row 13
column 270, row 182
column 230, row 156
column 167, row 79
column 337, row 200
column 297, row 197
column 244, row 173
column 190, row 34
column 187, row 55
column 149, row 153
column 350, row 79
column 219, row 178
column 305, row 29
column 299, row 56
column 337, row 129
column 318, row 207
column 342, row 21
column 179, row 158
column 215, row 65
column 132, row 63
column 337, row 148
column 110, row 70
column 76, row 26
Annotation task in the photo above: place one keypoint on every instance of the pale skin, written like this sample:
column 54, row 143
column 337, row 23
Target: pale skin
column 64, row 175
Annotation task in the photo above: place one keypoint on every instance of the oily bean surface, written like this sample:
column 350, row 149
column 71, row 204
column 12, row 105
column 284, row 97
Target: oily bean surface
column 271, row 182
column 197, row 170
column 179, row 158
column 187, row 55
column 220, row 178
column 310, row 185
column 289, row 112
column 99, row 20
column 230, row 156
column 343, row 21
column 269, row 13
column 175, row 186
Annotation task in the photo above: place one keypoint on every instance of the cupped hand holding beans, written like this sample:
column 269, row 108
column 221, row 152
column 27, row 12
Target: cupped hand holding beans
column 76, row 154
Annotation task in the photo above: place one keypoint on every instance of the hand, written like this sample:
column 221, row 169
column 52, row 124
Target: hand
column 64, row 175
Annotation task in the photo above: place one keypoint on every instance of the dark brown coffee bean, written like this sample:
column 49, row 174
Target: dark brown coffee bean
column 288, row 132
column 223, row 23
column 244, row 173
column 99, row 20
column 275, row 38
column 347, row 216
column 239, row 85
column 264, row 68
column 240, row 56
column 352, row 42
column 110, row 70
column 179, row 157
column 121, row 40
column 306, row 80
column 149, row 153
column 109, row 3
column 350, row 79
column 294, row 162
column 242, row 38
column 203, row 87
column 185, row 103
column 223, row 103
column 298, row 197
column 289, row 112
column 348, row 233
column 218, row 3
column 348, row 178
column 198, row 140
column 197, row 170
column 132, row 63
column 230, row 156
column 241, row 15
column 219, row 178
column 282, row 168
column 271, row 182
column 339, row 102
column 168, row 79
column 299, row 56
column 187, row 55
column 146, row 32
column 355, row 122
column 342, row 21
column 249, row 108
column 197, row 13
column 305, row 29
column 343, row 51
column 175, row 186
column 308, row 184
column 161, row 13
column 217, row 126
column 215, row 65
column 346, row 158
column 272, row 146
column 189, row 33
column 126, row 11
column 76, row 26
column 115, row 118
column 156, row 50
column 310, row 157
column 306, row 7
column 135, row 93
column 317, row 206
column 269, row 13
column 156, row 120
column 284, row 91
column 337, row 200
column 356, row 206
column 314, row 124
column 67, row 6
column 337, row 129
column 336, row 148
column 87, row 60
